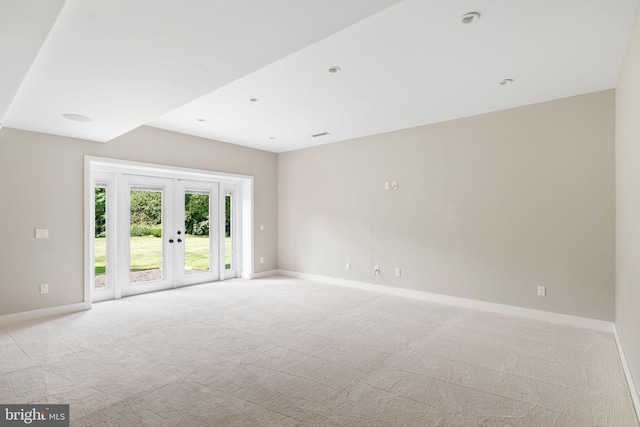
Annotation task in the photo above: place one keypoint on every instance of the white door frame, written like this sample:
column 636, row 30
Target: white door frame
column 95, row 167
column 123, row 243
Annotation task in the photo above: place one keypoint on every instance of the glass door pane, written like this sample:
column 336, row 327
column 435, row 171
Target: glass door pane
column 197, row 241
column 230, row 213
column 100, row 237
column 103, row 237
column 145, row 234
column 228, row 232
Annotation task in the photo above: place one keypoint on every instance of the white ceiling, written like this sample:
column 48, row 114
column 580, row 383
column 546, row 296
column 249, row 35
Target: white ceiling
column 404, row 63
column 22, row 32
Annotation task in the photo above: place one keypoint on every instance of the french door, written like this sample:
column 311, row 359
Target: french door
column 158, row 233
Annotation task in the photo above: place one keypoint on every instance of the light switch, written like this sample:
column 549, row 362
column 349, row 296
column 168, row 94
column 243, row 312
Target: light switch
column 386, row 185
column 261, row 227
column 42, row 233
column 394, row 185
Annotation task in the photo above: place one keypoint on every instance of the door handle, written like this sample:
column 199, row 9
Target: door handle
column 170, row 240
column 179, row 240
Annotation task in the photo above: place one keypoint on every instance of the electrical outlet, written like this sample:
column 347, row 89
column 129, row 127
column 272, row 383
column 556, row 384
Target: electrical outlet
column 397, row 272
column 261, row 227
column 376, row 270
column 347, row 266
column 44, row 289
column 542, row 291
column 261, row 260
column 42, row 233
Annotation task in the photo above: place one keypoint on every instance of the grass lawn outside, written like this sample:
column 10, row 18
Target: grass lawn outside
column 146, row 253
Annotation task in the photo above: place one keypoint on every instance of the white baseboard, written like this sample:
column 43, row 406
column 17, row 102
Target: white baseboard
column 546, row 316
column 627, row 373
column 264, row 274
column 43, row 312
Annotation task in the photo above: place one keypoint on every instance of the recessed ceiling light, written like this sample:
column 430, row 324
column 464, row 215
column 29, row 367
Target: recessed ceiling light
column 201, row 120
column 272, row 137
column 505, row 82
column 334, row 69
column 254, row 99
column 77, row 117
column 469, row 18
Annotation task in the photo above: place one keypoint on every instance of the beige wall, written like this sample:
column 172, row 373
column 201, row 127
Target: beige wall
column 42, row 182
column 488, row 207
column 628, row 204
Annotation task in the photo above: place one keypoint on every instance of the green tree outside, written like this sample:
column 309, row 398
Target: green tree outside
column 146, row 207
column 196, row 214
column 101, row 211
column 146, row 212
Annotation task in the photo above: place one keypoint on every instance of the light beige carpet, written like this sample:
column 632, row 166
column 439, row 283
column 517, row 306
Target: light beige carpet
column 287, row 352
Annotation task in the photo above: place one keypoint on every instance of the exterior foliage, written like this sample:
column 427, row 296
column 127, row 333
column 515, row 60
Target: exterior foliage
column 146, row 213
column 146, row 207
column 101, row 211
column 196, row 214
column 227, row 210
